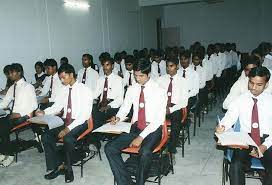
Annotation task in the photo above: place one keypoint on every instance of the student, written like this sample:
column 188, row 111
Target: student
column 9, row 82
column 64, row 60
column 75, row 100
column 88, row 75
column 21, row 96
column 177, row 98
column 146, row 131
column 111, row 91
column 39, row 75
column 129, row 79
column 158, row 67
column 119, row 64
column 52, row 84
column 252, row 109
column 266, row 54
column 103, row 56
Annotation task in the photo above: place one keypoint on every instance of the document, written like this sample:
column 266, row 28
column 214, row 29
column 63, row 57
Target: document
column 50, row 120
column 237, row 140
column 118, row 128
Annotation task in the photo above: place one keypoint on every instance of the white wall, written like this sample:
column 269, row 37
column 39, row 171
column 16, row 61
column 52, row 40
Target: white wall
column 245, row 22
column 32, row 30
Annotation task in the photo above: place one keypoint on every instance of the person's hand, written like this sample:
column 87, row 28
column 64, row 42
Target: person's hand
column 113, row 120
column 262, row 148
column 254, row 153
column 136, row 142
column 14, row 116
column 63, row 132
column 38, row 92
column 219, row 129
column 45, row 100
column 39, row 112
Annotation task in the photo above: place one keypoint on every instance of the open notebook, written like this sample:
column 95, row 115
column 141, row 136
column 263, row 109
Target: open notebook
column 50, row 120
column 116, row 129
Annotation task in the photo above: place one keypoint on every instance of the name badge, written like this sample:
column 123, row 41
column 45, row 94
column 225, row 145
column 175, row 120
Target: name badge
column 141, row 105
column 255, row 125
column 169, row 93
column 105, row 89
column 69, row 110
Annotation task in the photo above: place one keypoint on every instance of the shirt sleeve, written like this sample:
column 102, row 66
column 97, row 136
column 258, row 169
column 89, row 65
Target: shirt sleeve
column 31, row 101
column 231, row 115
column 268, row 142
column 126, row 106
column 7, row 99
column 233, row 94
column 117, row 102
column 183, row 99
column 57, row 106
column 46, row 86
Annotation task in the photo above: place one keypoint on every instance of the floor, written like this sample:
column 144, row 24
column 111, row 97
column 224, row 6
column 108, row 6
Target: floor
column 201, row 165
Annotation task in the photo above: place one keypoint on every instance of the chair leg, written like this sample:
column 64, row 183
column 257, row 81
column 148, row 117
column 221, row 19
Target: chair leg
column 183, row 141
column 194, row 124
column 160, row 165
column 171, row 162
column 81, row 168
column 223, row 173
column 188, row 134
column 199, row 119
column 17, row 147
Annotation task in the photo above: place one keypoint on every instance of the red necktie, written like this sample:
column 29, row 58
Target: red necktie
column 84, row 76
column 68, row 119
column 159, row 69
column 255, row 129
column 15, row 84
column 141, row 112
column 129, row 80
column 169, row 92
column 195, row 68
column 105, row 93
column 51, row 86
column 184, row 73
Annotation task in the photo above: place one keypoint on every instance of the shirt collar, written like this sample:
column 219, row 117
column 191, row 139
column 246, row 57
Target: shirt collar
column 74, row 85
column 19, row 82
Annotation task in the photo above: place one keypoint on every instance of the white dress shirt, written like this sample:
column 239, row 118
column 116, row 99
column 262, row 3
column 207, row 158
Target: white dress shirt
column 228, row 60
column 202, row 76
column 242, row 108
column 91, row 77
column 56, row 88
column 154, row 69
column 82, row 102
column 221, row 63
column 117, row 67
column 268, row 61
column 25, row 98
column 114, row 70
column 126, row 78
column 155, row 105
column 115, row 89
column 192, row 79
column 179, row 90
column 234, row 58
column 208, row 66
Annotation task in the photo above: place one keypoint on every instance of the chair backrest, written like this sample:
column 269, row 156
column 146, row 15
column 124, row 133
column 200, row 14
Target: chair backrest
column 164, row 137
column 184, row 114
column 89, row 129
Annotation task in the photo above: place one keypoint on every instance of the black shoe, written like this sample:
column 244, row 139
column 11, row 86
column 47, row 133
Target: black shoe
column 69, row 176
column 54, row 174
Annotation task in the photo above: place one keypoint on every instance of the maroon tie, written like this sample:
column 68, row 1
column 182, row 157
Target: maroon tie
column 169, row 92
column 13, row 103
column 159, row 69
column 105, row 93
column 255, row 129
column 195, row 68
column 141, row 112
column 184, row 73
column 51, row 86
column 84, row 76
column 129, row 80
column 68, row 119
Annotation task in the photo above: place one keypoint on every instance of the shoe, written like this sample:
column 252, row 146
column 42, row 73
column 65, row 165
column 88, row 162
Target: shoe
column 2, row 157
column 7, row 161
column 69, row 176
column 55, row 173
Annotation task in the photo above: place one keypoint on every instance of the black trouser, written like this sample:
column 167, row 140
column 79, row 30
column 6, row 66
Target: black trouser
column 242, row 159
column 100, row 118
column 52, row 155
column 44, row 106
column 113, row 153
column 203, row 97
column 176, row 125
column 6, row 148
column 191, row 102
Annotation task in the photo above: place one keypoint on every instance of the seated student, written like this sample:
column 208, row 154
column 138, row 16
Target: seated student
column 75, row 100
column 177, row 97
column 21, row 96
column 119, row 65
column 256, row 123
column 39, row 75
column 52, row 84
column 88, row 75
column 111, row 91
column 187, row 72
column 64, row 60
column 266, row 54
column 158, row 67
column 129, row 79
column 9, row 82
column 146, row 131
column 102, row 56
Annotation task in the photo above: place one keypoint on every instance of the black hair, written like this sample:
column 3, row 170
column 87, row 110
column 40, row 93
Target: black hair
column 186, row 54
column 67, row 68
column 130, row 59
column 118, row 56
column 260, row 71
column 89, row 57
column 17, row 68
column 104, row 55
column 142, row 65
column 40, row 64
column 157, row 53
column 173, row 60
column 198, row 54
column 252, row 60
column 51, row 63
column 6, row 69
column 64, row 60
column 107, row 59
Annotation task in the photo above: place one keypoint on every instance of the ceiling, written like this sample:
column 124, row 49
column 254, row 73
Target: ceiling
column 168, row 2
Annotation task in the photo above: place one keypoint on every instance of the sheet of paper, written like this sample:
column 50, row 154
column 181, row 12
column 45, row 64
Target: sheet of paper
column 50, row 120
column 237, row 139
column 117, row 128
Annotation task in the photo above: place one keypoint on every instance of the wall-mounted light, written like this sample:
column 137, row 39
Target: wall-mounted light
column 76, row 4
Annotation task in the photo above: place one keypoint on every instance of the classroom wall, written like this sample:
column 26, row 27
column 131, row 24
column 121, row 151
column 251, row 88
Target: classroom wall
column 33, row 30
column 246, row 22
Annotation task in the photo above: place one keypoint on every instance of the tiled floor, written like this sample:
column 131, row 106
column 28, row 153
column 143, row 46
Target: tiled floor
column 200, row 166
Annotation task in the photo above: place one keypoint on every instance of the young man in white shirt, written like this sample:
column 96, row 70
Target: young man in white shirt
column 110, row 89
column 119, row 65
column 21, row 96
column 253, row 109
column 158, row 67
column 52, row 84
column 76, row 102
column 129, row 79
column 88, row 75
column 177, row 98
column 149, row 111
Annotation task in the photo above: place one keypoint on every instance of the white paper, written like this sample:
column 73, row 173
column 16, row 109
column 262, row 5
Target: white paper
column 50, row 120
column 117, row 128
column 237, row 139
column 2, row 113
